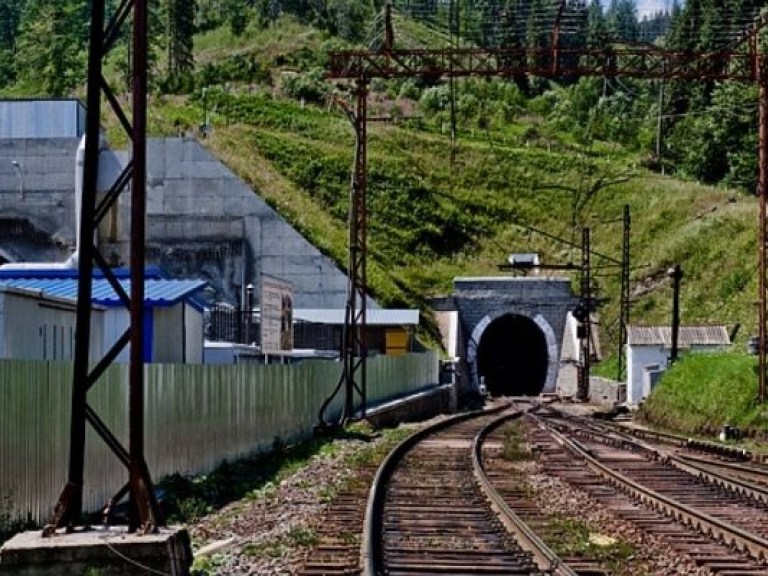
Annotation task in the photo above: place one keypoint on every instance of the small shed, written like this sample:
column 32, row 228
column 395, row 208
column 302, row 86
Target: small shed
column 173, row 320
column 36, row 326
column 388, row 331
column 649, row 349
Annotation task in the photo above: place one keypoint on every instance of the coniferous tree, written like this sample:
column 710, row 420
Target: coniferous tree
column 597, row 30
column 179, row 36
column 621, row 19
column 55, row 66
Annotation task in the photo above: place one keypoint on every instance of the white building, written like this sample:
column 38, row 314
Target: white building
column 649, row 349
column 40, row 321
column 34, row 326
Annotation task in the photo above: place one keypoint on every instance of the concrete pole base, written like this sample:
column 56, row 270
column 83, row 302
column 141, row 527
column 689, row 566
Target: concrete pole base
column 102, row 551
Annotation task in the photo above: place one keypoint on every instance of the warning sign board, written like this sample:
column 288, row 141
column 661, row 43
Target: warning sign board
column 276, row 315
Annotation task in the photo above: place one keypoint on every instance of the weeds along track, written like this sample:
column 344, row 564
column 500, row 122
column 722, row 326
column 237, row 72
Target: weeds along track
column 719, row 522
column 432, row 510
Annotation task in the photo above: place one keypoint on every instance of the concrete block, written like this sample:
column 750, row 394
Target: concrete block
column 107, row 551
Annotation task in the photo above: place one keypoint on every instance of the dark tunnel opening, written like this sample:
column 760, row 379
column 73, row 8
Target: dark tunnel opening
column 512, row 357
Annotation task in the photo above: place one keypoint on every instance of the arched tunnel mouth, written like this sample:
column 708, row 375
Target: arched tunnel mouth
column 512, row 357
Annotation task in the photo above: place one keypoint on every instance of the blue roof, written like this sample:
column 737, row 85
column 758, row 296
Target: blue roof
column 150, row 272
column 156, row 292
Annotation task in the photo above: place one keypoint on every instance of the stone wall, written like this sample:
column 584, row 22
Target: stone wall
column 546, row 301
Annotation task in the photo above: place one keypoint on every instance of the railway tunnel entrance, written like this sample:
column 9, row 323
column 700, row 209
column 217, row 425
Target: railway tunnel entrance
column 513, row 357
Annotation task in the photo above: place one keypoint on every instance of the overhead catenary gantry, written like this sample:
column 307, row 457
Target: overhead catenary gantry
column 742, row 62
column 143, row 510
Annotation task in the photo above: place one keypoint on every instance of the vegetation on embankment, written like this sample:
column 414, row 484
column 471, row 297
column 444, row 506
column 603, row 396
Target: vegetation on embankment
column 702, row 392
column 533, row 163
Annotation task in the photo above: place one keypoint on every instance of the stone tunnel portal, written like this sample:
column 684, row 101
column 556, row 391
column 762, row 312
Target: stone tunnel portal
column 512, row 357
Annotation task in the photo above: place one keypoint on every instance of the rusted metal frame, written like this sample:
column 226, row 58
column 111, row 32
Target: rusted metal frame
column 117, row 497
column 116, row 24
column 556, row 38
column 109, row 439
column 585, row 344
column 114, row 192
column 70, row 504
column 111, row 278
column 625, row 299
column 108, row 359
column 762, row 235
column 117, row 109
column 619, row 61
column 355, row 347
column 144, row 510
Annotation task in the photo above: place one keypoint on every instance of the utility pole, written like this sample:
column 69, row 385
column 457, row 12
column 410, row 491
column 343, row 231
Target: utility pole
column 585, row 340
column 762, row 237
column 676, row 273
column 143, row 514
column 625, row 299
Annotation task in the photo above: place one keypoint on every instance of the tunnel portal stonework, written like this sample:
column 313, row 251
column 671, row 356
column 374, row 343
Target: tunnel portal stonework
column 539, row 306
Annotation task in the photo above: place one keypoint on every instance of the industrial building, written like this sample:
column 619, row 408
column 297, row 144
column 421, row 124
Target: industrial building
column 38, row 320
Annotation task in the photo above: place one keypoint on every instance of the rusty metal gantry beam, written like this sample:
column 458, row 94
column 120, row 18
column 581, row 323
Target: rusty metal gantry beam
column 644, row 62
column 743, row 62
column 143, row 510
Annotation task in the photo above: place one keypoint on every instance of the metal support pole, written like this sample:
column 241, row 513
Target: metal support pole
column 143, row 510
column 625, row 303
column 762, row 236
column 356, row 349
column 582, row 392
column 70, row 505
column 676, row 273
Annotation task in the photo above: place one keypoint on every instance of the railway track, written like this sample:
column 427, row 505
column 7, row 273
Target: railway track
column 433, row 510
column 440, row 503
column 719, row 526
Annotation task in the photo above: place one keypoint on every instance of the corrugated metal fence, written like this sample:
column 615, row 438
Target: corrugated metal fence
column 196, row 417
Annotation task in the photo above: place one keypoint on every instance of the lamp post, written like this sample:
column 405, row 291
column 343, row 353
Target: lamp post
column 676, row 273
column 248, row 313
column 20, row 175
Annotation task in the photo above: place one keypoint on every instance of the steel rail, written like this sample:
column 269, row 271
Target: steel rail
column 740, row 539
column 696, row 467
column 543, row 555
column 371, row 550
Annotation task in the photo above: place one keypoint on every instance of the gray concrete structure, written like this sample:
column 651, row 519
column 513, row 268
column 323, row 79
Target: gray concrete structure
column 37, row 214
column 512, row 332
column 202, row 221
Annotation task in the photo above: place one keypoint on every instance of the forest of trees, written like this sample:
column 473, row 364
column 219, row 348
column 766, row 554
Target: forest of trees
column 703, row 130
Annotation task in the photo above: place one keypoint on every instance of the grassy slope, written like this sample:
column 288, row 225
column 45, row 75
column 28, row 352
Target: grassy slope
column 704, row 391
column 430, row 223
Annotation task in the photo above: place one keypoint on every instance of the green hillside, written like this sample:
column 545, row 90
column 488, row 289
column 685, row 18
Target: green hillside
column 515, row 172
column 533, row 162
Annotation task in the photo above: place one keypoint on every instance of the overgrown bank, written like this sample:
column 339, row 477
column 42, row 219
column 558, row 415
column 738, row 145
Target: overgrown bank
column 702, row 392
